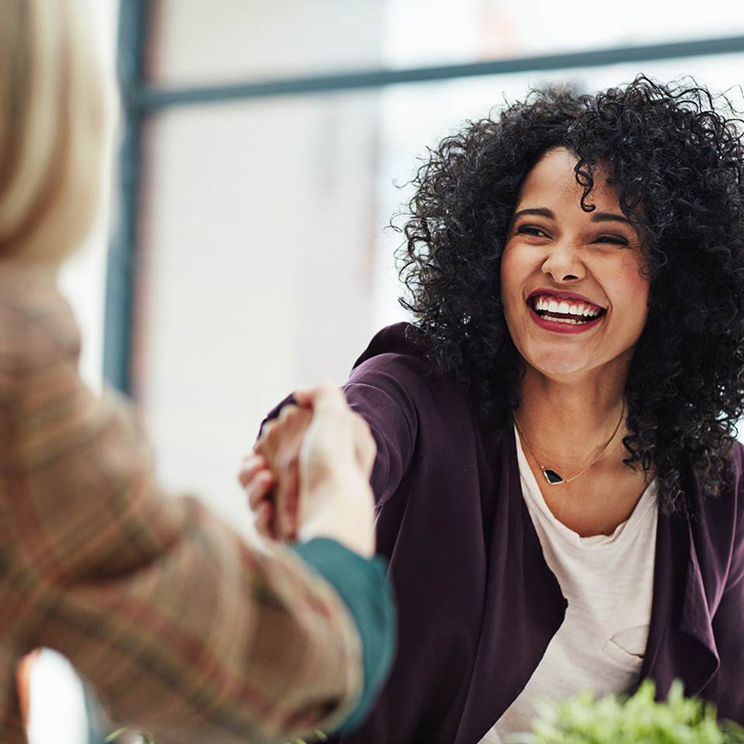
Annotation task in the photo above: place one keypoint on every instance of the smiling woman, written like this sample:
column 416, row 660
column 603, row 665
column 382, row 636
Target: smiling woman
column 555, row 246
column 575, row 347
column 631, row 199
column 558, row 488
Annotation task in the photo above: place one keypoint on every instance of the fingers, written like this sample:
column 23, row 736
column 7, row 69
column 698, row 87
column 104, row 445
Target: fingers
column 287, row 522
column 259, row 489
column 264, row 520
column 257, row 480
column 278, row 451
column 277, row 428
column 252, row 464
column 288, row 424
column 286, row 498
column 263, row 445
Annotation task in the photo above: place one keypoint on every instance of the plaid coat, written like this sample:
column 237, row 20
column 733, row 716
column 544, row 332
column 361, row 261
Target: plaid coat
column 182, row 629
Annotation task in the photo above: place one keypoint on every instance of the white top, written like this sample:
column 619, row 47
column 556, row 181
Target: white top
column 608, row 583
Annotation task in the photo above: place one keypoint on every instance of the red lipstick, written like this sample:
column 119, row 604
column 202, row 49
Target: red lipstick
column 563, row 324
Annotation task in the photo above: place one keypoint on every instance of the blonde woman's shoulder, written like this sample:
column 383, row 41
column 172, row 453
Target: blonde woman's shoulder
column 37, row 327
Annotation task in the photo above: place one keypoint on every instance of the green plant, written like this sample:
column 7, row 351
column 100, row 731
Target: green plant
column 630, row 720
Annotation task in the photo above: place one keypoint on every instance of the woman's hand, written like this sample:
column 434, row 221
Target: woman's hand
column 310, row 474
column 258, row 481
column 336, row 460
column 271, row 475
column 338, row 438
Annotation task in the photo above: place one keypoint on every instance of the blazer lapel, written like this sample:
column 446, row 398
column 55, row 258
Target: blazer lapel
column 681, row 642
column 697, row 624
column 524, row 607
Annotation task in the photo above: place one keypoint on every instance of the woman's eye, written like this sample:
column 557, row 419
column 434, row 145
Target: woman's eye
column 531, row 230
column 611, row 239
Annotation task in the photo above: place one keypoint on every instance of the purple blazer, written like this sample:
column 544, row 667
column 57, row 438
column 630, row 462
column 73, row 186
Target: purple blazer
column 477, row 603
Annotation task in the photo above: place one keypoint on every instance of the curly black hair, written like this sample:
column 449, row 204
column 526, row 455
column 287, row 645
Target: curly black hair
column 675, row 151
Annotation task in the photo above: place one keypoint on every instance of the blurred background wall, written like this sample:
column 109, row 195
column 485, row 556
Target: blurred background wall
column 248, row 249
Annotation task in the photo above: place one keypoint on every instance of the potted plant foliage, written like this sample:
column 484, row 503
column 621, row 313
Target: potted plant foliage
column 630, row 720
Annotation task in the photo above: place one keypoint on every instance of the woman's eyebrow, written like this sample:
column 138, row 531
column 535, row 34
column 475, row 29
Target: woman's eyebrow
column 538, row 211
column 596, row 216
column 610, row 217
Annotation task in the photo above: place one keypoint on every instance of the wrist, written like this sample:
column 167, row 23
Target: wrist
column 340, row 509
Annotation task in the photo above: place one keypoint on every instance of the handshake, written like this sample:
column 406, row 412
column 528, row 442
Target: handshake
column 308, row 476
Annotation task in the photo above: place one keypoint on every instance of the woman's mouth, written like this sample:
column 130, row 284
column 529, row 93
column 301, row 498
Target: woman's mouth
column 564, row 315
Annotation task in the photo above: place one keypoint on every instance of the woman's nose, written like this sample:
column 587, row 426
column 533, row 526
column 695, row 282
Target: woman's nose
column 563, row 263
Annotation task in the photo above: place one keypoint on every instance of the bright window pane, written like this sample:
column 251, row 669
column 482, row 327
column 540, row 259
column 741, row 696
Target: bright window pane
column 229, row 40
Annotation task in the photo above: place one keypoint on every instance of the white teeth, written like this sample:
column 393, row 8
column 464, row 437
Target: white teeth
column 549, row 305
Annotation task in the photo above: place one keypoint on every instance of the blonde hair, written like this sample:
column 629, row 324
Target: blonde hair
column 55, row 120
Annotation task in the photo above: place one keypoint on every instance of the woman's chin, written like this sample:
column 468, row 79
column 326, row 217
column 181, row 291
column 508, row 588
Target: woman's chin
column 561, row 366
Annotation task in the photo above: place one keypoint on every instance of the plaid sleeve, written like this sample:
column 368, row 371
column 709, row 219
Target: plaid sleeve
column 182, row 629
column 362, row 585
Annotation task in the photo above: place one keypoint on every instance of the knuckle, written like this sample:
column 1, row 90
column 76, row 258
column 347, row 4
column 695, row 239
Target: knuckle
column 266, row 432
column 288, row 414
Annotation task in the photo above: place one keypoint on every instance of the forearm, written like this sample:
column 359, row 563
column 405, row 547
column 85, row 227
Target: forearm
column 362, row 585
column 341, row 509
column 182, row 629
column 212, row 638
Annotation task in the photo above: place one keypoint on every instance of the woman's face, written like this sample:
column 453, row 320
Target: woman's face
column 575, row 297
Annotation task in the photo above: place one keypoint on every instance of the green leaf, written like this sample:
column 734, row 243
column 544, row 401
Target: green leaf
column 618, row 719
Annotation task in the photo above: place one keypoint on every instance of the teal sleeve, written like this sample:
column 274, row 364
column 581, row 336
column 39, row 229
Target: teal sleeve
column 363, row 587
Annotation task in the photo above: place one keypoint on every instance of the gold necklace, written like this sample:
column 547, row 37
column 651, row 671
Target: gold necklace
column 551, row 476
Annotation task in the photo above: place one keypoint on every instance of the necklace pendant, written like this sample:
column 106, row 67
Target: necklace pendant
column 552, row 477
